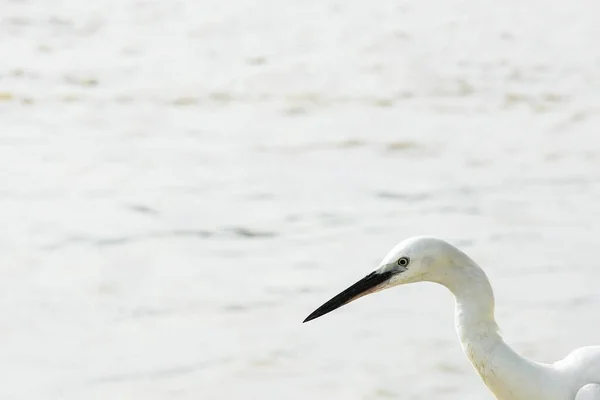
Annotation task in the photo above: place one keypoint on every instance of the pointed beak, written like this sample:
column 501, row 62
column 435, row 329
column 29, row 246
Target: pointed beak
column 371, row 283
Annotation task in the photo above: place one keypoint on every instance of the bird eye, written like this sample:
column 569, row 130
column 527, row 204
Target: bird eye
column 403, row 261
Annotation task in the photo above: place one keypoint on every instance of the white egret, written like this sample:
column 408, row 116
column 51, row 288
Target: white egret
column 506, row 373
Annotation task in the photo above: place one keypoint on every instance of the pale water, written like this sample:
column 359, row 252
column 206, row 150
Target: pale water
column 182, row 182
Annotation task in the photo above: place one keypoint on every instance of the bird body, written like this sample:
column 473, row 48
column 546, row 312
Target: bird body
column 508, row 375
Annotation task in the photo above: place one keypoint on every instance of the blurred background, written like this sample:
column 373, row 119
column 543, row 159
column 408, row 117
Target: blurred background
column 182, row 182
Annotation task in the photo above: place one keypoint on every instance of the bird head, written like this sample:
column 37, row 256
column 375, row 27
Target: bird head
column 416, row 259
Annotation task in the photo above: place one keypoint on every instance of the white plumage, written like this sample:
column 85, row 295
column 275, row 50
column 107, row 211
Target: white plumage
column 506, row 373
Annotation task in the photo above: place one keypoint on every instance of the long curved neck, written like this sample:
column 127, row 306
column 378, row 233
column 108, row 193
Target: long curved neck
column 474, row 303
column 507, row 374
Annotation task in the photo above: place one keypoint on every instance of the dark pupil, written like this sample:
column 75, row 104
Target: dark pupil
column 402, row 261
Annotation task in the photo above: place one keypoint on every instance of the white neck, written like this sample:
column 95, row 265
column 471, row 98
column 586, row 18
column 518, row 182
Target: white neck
column 507, row 374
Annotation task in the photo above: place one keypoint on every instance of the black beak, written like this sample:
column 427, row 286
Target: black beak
column 366, row 285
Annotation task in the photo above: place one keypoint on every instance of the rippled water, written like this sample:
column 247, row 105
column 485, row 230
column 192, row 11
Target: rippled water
column 183, row 182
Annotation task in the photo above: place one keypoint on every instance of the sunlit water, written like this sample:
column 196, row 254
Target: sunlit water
column 183, row 182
